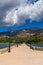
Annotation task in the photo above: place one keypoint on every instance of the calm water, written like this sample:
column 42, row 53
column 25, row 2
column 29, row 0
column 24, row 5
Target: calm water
column 37, row 45
column 5, row 45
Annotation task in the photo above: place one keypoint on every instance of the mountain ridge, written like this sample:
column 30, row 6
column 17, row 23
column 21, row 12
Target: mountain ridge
column 26, row 30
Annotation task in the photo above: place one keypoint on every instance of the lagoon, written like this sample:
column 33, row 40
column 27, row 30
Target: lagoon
column 6, row 45
column 37, row 45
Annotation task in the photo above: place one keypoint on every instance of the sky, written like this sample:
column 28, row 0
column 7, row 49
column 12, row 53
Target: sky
column 20, row 14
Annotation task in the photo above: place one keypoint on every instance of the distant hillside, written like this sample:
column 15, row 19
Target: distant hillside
column 33, row 30
column 11, row 33
column 40, row 33
column 23, row 33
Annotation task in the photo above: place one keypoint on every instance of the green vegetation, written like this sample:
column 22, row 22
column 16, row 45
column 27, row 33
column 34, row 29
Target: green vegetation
column 31, row 39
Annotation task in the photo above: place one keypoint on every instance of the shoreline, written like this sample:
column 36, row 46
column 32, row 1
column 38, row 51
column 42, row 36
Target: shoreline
column 31, row 47
column 35, row 47
column 6, row 49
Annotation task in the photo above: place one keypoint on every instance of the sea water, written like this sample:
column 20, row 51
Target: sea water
column 6, row 45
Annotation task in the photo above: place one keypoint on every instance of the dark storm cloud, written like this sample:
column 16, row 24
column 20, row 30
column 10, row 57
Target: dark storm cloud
column 6, row 5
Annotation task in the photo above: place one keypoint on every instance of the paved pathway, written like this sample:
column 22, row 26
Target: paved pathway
column 22, row 55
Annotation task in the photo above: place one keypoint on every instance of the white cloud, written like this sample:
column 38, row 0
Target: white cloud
column 11, row 17
column 23, row 12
